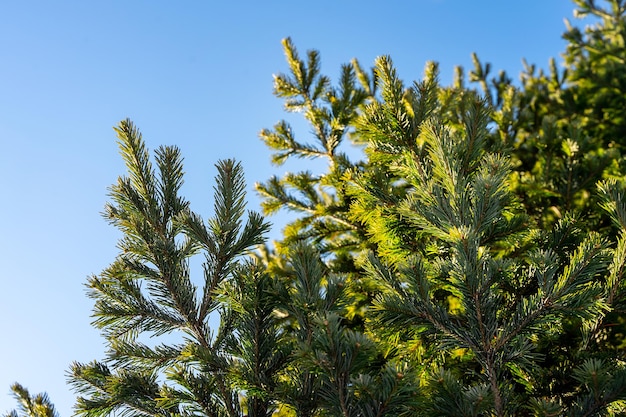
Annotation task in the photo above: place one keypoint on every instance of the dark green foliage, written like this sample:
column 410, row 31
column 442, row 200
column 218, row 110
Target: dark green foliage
column 149, row 292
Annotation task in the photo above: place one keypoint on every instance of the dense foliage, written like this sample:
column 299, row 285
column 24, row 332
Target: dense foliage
column 467, row 260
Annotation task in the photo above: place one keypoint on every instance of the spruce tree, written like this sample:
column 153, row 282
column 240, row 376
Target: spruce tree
column 477, row 294
column 149, row 293
column 562, row 128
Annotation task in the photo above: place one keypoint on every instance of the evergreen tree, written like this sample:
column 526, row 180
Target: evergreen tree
column 469, row 260
column 562, row 128
column 566, row 127
column 242, row 340
column 475, row 293
column 149, row 292
column 544, row 214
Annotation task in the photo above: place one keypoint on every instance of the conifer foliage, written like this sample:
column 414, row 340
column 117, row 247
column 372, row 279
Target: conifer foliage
column 31, row 405
column 468, row 261
column 476, row 215
column 238, row 341
column 149, row 293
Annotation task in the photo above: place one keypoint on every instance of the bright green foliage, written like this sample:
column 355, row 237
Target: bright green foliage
column 319, row 200
column 460, row 292
column 478, row 253
column 468, row 261
column 31, row 405
column 243, row 340
column 596, row 63
column 566, row 128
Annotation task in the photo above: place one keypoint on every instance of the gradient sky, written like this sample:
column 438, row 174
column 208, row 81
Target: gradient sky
column 198, row 76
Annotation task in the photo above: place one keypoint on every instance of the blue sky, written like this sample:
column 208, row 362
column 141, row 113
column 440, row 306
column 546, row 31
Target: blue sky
column 199, row 77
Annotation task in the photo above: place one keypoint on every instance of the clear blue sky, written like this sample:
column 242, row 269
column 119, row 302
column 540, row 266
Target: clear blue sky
column 198, row 76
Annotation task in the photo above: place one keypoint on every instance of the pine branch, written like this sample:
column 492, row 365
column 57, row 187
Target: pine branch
column 125, row 393
column 223, row 237
column 137, row 158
